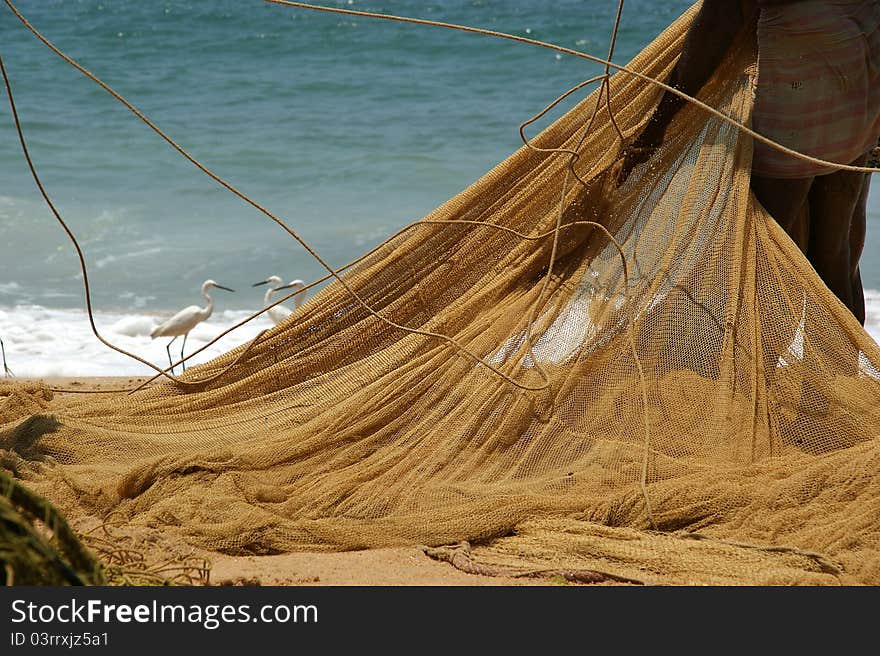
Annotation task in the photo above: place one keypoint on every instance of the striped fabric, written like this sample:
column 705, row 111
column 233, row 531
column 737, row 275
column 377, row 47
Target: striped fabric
column 818, row 88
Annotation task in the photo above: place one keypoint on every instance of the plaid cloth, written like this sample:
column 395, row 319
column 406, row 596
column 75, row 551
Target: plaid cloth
column 874, row 157
column 818, row 88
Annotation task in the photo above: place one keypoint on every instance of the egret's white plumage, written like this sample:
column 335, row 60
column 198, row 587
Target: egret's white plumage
column 187, row 319
column 279, row 313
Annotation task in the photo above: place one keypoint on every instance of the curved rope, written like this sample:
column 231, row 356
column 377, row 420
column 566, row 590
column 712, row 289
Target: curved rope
column 81, row 257
column 332, row 272
column 252, row 343
column 528, row 339
column 598, row 60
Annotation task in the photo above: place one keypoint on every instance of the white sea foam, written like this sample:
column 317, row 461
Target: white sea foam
column 43, row 342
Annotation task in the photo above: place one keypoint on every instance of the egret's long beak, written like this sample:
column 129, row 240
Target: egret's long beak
column 278, row 289
column 222, row 287
column 257, row 284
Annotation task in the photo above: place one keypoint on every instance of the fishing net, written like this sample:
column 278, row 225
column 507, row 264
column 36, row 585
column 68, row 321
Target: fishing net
column 674, row 399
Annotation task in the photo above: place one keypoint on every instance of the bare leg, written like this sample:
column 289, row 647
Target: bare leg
column 168, row 351
column 837, row 233
column 833, row 202
column 858, row 296
column 786, row 201
column 182, row 362
column 856, row 245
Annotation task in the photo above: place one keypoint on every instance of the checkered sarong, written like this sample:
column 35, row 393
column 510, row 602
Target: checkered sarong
column 818, row 88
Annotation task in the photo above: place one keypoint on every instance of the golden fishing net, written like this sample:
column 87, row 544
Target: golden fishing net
column 706, row 414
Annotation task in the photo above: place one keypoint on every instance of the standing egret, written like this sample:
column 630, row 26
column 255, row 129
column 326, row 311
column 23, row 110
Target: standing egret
column 185, row 320
column 278, row 312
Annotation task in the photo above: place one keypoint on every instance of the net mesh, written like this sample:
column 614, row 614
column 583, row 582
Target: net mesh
column 696, row 407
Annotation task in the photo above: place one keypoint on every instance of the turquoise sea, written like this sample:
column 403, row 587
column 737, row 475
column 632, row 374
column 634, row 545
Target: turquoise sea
column 347, row 128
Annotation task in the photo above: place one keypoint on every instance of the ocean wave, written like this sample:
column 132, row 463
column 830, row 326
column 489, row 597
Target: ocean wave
column 44, row 342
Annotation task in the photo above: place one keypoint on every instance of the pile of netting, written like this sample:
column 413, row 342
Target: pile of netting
column 685, row 402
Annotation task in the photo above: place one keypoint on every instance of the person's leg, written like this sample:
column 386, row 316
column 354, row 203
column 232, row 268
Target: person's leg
column 858, row 296
column 786, row 202
column 836, row 240
column 856, row 245
column 833, row 201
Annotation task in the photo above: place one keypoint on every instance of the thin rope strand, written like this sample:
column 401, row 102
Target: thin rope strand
column 257, row 206
column 79, row 252
column 575, row 155
column 527, row 142
column 608, row 71
column 608, row 63
column 412, row 226
column 332, row 272
column 545, row 285
column 582, row 55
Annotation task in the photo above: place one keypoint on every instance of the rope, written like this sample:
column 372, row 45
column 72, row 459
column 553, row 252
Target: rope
column 598, row 60
column 825, row 564
column 570, row 172
column 528, row 340
column 79, row 253
column 334, row 273
column 461, row 558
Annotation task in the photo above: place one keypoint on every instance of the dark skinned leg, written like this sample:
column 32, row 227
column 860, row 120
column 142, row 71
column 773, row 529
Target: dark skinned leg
column 856, row 245
column 182, row 362
column 835, row 244
column 858, row 295
column 835, row 226
column 785, row 200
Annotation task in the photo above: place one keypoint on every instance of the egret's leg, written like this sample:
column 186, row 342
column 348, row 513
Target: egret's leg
column 182, row 362
column 168, row 351
column 6, row 370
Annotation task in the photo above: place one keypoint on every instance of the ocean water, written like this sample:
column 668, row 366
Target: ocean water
column 346, row 128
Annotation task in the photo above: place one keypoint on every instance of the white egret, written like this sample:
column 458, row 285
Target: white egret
column 185, row 320
column 279, row 313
